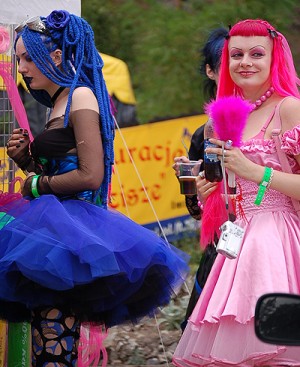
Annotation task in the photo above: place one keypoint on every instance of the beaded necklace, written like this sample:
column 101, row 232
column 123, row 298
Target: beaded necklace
column 263, row 98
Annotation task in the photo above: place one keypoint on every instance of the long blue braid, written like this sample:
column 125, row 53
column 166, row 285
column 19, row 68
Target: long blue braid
column 81, row 66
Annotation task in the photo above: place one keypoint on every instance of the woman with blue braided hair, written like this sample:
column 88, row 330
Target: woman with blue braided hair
column 65, row 259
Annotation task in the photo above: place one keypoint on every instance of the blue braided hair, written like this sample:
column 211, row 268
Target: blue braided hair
column 81, row 66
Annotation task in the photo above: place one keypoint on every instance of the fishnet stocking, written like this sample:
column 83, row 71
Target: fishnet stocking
column 55, row 338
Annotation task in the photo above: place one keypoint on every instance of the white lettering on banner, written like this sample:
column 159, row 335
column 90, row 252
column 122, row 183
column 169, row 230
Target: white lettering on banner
column 178, row 227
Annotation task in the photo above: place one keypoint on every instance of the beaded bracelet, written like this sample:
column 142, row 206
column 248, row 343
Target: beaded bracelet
column 34, row 186
column 264, row 185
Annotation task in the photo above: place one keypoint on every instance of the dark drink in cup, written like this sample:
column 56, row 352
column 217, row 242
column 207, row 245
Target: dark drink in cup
column 188, row 185
column 188, row 171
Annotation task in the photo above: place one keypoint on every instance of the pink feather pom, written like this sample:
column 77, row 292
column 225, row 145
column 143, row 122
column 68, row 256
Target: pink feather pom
column 229, row 115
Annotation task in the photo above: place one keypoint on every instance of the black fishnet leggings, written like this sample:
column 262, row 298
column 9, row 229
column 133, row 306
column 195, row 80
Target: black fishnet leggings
column 55, row 338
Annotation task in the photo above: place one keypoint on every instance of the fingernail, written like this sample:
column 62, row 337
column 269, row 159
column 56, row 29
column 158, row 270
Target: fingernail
column 21, row 129
column 25, row 134
column 21, row 140
column 228, row 144
column 18, row 146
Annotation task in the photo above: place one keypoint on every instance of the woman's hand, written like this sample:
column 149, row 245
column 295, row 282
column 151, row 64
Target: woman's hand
column 18, row 147
column 235, row 161
column 176, row 165
column 26, row 187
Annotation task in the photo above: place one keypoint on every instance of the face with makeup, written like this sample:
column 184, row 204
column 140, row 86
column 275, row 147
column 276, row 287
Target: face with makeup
column 250, row 63
column 28, row 69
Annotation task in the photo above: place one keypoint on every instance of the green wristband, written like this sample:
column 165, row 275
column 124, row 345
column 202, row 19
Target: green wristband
column 34, row 186
column 263, row 185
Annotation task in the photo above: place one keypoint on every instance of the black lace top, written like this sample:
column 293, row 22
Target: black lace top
column 196, row 152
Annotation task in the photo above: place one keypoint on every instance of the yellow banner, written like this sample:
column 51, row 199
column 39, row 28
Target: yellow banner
column 152, row 148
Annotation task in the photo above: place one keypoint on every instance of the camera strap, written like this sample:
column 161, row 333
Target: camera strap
column 225, row 181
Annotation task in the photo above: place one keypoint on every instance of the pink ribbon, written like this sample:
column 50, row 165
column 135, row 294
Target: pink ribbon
column 14, row 97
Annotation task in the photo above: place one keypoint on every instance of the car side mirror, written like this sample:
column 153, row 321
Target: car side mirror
column 277, row 319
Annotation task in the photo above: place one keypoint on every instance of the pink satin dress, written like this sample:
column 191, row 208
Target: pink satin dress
column 220, row 331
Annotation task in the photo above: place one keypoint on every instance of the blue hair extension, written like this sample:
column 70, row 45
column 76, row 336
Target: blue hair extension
column 81, row 66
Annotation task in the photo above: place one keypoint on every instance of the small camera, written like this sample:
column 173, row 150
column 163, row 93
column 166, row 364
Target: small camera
column 230, row 240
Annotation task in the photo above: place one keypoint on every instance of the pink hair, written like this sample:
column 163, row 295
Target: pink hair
column 283, row 74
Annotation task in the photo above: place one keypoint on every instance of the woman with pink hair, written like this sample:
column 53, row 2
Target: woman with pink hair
column 256, row 66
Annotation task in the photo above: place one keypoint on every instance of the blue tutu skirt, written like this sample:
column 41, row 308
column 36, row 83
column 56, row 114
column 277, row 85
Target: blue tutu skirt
column 79, row 257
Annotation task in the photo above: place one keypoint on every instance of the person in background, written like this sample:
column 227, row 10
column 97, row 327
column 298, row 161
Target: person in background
column 67, row 262
column 209, row 69
column 256, row 67
column 119, row 86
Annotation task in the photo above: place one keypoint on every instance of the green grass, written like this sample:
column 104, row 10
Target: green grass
column 190, row 245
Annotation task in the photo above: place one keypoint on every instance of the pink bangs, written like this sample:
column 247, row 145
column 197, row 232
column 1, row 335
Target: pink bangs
column 250, row 27
column 283, row 74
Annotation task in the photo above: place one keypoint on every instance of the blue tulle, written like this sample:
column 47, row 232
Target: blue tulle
column 74, row 254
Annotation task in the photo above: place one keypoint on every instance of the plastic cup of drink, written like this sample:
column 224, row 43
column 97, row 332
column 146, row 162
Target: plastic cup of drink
column 188, row 171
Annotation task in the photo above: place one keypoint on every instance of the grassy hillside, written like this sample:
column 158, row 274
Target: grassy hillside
column 160, row 41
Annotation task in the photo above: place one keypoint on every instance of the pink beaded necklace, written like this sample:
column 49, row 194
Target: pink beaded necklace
column 263, row 98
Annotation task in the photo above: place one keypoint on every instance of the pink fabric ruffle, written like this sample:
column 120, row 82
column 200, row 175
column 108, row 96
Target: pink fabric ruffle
column 259, row 145
column 290, row 142
column 6, row 198
column 220, row 331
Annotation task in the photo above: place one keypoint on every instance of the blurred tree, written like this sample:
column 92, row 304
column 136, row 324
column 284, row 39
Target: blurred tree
column 160, row 42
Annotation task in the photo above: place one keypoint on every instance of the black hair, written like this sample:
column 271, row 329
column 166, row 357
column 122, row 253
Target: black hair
column 211, row 55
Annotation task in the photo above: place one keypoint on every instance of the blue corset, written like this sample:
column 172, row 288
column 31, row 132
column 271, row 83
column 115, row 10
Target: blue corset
column 58, row 166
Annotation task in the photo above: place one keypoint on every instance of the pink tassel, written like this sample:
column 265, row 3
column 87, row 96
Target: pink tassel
column 229, row 115
column 214, row 215
column 14, row 97
column 91, row 345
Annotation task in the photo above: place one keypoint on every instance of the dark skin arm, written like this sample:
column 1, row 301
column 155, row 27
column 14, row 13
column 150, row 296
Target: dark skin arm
column 89, row 174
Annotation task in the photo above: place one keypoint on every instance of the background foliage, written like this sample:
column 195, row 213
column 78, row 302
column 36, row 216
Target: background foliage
column 160, row 42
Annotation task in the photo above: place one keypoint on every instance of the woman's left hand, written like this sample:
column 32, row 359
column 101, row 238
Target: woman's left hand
column 26, row 187
column 234, row 159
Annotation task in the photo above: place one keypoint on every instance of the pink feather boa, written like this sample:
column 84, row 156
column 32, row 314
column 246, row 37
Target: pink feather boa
column 229, row 116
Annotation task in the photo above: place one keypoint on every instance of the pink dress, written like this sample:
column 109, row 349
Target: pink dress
column 220, row 331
